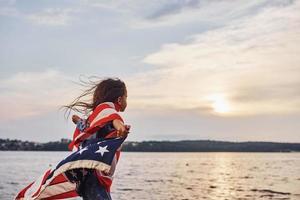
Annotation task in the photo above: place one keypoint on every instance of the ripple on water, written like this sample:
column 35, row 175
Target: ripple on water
column 271, row 192
column 12, row 183
column 154, row 181
column 130, row 189
column 246, row 177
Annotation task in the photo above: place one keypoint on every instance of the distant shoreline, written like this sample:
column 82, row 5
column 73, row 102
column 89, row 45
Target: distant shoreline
column 161, row 146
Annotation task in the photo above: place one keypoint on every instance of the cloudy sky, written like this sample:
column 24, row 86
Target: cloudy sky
column 207, row 69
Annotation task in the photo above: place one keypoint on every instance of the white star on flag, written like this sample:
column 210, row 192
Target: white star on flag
column 102, row 150
column 82, row 150
column 73, row 174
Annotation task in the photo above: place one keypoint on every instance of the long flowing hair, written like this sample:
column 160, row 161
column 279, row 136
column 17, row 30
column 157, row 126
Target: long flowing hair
column 98, row 91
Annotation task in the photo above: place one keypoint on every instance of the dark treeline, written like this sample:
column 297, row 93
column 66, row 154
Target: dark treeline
column 210, row 146
column 161, row 146
column 18, row 145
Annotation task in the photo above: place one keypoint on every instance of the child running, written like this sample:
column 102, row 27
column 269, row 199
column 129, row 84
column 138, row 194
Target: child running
column 109, row 97
column 96, row 145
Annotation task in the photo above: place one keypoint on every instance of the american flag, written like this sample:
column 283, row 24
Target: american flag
column 102, row 156
column 54, row 184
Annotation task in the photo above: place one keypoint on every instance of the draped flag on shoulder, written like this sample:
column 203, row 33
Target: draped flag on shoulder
column 54, row 184
column 104, row 112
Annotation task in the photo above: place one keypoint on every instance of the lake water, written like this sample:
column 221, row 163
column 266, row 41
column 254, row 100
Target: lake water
column 174, row 175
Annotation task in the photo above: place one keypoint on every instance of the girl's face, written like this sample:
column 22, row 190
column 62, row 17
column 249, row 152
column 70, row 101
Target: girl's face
column 122, row 101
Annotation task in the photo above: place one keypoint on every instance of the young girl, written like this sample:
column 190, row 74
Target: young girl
column 88, row 171
column 104, row 122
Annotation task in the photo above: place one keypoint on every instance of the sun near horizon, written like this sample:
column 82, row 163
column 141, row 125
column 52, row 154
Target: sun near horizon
column 220, row 104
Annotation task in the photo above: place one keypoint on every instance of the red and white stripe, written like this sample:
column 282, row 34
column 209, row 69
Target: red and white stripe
column 104, row 112
column 57, row 187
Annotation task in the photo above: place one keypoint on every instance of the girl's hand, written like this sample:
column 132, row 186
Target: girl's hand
column 122, row 130
column 81, row 124
column 75, row 119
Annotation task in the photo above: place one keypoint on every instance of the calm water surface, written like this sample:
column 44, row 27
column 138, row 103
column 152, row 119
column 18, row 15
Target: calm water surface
column 174, row 175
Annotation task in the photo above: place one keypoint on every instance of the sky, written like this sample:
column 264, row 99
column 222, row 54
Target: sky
column 194, row 69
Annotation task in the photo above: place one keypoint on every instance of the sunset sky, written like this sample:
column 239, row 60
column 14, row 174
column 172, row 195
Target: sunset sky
column 219, row 70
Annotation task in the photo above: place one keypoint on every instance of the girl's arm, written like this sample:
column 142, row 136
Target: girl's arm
column 122, row 130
